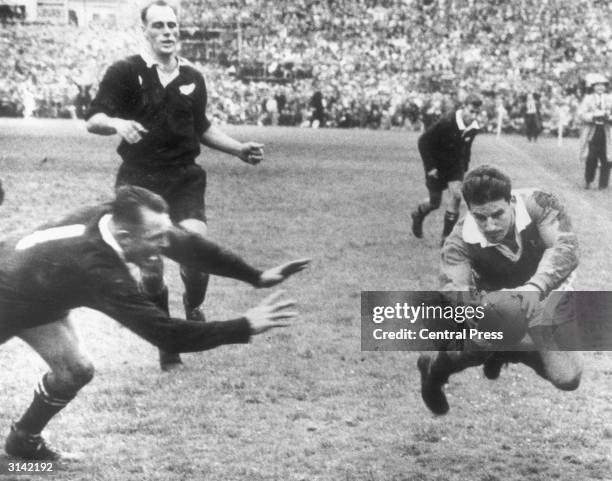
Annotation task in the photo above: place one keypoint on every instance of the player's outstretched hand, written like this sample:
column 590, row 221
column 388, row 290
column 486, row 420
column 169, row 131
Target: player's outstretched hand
column 270, row 313
column 278, row 274
column 129, row 130
column 251, row 153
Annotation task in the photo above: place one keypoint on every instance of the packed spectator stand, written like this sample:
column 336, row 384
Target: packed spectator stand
column 347, row 63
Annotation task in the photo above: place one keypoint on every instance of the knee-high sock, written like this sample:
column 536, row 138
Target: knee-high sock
column 44, row 406
column 450, row 219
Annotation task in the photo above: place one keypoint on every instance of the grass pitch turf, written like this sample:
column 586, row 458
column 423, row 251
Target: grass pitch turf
column 305, row 403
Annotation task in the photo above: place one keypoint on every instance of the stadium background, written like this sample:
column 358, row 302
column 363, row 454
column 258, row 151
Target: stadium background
column 374, row 63
column 305, row 403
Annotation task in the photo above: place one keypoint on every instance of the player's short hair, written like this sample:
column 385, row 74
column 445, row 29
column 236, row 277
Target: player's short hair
column 474, row 100
column 126, row 209
column 486, row 184
column 162, row 3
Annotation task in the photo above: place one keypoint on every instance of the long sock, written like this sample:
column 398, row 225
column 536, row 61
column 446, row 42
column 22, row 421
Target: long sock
column 44, row 406
column 450, row 219
column 196, row 284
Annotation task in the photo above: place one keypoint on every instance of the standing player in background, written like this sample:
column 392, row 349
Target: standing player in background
column 532, row 116
column 156, row 102
column 445, row 149
column 596, row 137
column 510, row 240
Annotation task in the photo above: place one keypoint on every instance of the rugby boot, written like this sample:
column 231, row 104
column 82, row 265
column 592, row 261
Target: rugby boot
column 193, row 313
column 417, row 223
column 24, row 445
column 431, row 388
column 492, row 366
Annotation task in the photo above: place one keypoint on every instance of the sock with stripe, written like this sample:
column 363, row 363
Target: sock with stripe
column 450, row 219
column 45, row 405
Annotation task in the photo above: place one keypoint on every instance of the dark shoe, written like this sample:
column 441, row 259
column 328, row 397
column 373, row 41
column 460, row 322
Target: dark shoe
column 169, row 361
column 492, row 367
column 431, row 390
column 21, row 444
column 417, row 224
column 193, row 313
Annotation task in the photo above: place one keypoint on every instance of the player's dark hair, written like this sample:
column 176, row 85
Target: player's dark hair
column 129, row 201
column 473, row 99
column 486, row 184
column 161, row 3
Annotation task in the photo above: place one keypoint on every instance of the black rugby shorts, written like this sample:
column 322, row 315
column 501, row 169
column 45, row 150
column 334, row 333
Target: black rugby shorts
column 182, row 187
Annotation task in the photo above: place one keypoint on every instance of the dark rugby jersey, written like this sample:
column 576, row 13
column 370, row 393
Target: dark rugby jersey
column 547, row 254
column 444, row 146
column 67, row 264
column 175, row 116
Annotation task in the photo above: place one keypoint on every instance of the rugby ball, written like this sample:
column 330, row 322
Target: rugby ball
column 502, row 313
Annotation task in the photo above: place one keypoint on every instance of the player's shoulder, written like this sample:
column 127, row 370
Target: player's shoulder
column 127, row 64
column 86, row 216
column 191, row 69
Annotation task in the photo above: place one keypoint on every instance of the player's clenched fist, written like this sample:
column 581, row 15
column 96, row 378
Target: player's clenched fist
column 251, row 153
column 129, row 130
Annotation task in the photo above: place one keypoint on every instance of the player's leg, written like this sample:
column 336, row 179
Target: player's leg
column 70, row 369
column 152, row 275
column 590, row 165
column 563, row 368
column 187, row 209
column 423, row 209
column 195, row 282
column 436, row 372
column 153, row 286
column 553, row 341
column 453, row 203
column 604, row 169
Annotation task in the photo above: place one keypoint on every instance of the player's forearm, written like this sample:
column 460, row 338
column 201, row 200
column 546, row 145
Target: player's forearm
column 194, row 251
column 455, row 267
column 176, row 335
column 216, row 139
column 102, row 124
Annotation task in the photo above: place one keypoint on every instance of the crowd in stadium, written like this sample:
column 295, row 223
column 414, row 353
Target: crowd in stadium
column 359, row 63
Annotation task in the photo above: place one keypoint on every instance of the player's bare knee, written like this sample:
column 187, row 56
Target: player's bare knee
column 567, row 379
column 75, row 375
column 570, row 384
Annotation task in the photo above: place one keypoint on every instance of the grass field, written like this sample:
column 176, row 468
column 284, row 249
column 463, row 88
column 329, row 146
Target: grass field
column 305, row 403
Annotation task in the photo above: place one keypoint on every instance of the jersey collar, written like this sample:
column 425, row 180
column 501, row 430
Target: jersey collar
column 150, row 61
column 107, row 235
column 461, row 123
column 472, row 235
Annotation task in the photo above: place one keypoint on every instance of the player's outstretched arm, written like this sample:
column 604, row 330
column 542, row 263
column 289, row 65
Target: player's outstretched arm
column 278, row 274
column 270, row 313
column 249, row 152
column 193, row 250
